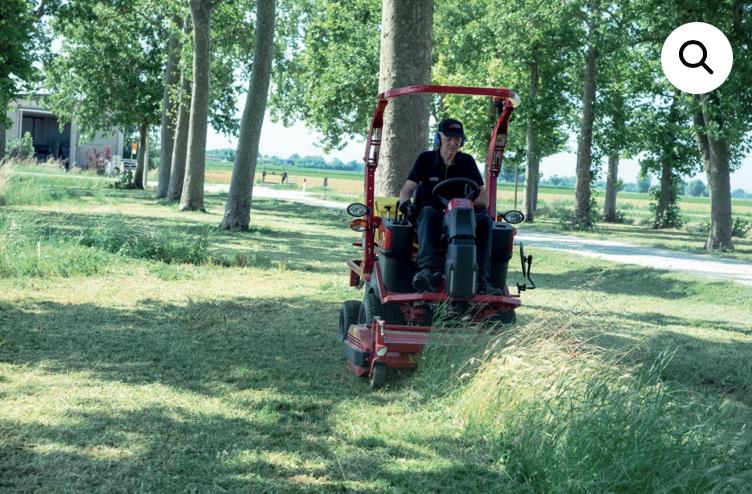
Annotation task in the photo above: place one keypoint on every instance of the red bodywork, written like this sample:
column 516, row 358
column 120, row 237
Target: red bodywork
column 398, row 345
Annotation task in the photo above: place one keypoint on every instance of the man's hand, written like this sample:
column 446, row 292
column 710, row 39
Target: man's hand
column 407, row 208
column 482, row 200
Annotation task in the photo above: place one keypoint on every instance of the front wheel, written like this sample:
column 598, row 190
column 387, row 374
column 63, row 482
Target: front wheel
column 378, row 376
column 506, row 317
column 348, row 314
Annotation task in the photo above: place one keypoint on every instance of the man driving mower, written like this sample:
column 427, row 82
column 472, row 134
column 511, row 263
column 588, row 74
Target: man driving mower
column 430, row 168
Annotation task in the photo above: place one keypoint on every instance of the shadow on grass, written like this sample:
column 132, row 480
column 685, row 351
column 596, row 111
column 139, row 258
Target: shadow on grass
column 272, row 367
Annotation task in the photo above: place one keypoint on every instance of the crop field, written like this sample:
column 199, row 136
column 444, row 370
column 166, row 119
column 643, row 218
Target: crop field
column 142, row 349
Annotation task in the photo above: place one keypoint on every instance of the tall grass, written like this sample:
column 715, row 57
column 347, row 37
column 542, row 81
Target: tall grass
column 31, row 247
column 18, row 189
column 28, row 248
column 115, row 235
column 559, row 414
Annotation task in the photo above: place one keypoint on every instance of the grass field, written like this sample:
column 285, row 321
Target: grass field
column 141, row 349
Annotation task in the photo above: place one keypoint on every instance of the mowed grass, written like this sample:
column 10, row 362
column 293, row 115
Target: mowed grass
column 223, row 372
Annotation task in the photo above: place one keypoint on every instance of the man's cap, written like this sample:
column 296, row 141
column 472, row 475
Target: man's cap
column 451, row 127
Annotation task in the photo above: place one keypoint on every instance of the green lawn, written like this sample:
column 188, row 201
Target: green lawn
column 141, row 350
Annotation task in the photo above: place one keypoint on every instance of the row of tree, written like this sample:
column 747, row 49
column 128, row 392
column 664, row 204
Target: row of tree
column 585, row 66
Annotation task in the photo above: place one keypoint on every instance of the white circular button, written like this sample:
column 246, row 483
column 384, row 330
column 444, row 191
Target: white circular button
column 697, row 58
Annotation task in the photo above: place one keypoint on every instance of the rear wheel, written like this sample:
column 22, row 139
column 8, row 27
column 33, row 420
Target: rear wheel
column 506, row 317
column 373, row 308
column 348, row 314
column 378, row 376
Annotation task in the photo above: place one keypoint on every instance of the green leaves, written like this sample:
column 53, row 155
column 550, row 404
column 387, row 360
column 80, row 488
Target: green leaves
column 18, row 28
column 109, row 69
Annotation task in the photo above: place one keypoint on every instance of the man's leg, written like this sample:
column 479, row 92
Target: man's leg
column 429, row 232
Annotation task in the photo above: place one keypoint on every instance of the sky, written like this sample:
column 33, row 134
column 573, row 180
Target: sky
column 284, row 142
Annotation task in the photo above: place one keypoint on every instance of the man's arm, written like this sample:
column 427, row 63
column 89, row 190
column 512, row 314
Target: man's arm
column 482, row 199
column 407, row 190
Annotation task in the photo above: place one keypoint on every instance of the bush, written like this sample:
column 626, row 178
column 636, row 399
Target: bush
column 98, row 160
column 125, row 181
column 698, row 227
column 22, row 149
column 559, row 211
column 622, row 218
column 740, row 226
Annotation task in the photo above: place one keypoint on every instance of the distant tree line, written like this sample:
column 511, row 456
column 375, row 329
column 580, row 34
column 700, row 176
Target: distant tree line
column 294, row 161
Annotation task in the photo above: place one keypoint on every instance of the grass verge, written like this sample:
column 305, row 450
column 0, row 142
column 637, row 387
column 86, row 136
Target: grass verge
column 149, row 376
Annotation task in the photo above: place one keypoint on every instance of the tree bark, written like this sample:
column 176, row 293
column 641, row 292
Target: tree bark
column 532, row 161
column 139, row 181
column 719, row 182
column 585, row 139
column 612, row 185
column 2, row 136
column 192, row 198
column 180, row 148
column 666, row 192
column 406, row 44
column 238, row 207
column 167, row 136
column 715, row 157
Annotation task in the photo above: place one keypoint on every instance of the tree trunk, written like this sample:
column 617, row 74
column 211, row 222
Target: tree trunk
column 2, row 136
column 719, row 182
column 238, row 208
column 666, row 193
column 612, row 184
column 533, row 164
column 139, row 175
column 585, row 139
column 180, row 148
column 192, row 198
column 715, row 156
column 167, row 139
column 406, row 44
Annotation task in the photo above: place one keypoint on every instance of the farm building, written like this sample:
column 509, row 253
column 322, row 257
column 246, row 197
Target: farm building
column 28, row 114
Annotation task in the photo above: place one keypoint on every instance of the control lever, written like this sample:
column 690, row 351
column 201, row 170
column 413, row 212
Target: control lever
column 388, row 212
column 527, row 262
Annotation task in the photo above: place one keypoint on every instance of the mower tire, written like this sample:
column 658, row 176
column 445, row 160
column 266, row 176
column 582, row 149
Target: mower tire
column 506, row 317
column 378, row 376
column 348, row 314
column 373, row 308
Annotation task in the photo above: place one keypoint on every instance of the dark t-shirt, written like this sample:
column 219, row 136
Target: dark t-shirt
column 429, row 169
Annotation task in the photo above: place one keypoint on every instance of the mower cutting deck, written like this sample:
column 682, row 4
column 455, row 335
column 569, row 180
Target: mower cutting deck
column 389, row 328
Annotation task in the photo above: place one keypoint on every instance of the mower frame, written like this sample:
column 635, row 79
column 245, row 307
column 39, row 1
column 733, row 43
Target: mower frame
column 372, row 347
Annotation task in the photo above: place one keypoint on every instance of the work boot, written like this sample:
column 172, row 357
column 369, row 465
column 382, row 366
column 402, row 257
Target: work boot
column 423, row 280
column 486, row 288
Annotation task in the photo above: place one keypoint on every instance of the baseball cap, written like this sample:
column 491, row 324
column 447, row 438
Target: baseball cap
column 451, row 127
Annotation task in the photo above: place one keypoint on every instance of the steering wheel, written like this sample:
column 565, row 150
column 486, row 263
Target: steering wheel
column 455, row 187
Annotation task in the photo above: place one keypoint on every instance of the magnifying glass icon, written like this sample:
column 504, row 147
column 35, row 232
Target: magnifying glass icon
column 704, row 56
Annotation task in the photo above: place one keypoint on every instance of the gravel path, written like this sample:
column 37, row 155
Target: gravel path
column 700, row 264
column 672, row 260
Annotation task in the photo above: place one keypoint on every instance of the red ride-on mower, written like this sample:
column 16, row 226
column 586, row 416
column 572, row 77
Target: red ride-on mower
column 390, row 327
